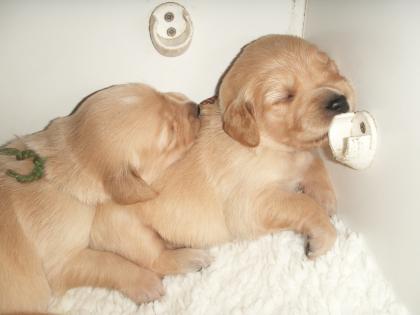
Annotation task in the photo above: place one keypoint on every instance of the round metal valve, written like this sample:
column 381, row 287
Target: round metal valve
column 171, row 29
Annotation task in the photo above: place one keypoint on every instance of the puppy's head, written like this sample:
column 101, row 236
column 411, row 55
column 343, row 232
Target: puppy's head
column 127, row 135
column 282, row 88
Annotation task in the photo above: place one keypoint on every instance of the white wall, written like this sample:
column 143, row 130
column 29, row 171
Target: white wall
column 377, row 45
column 54, row 52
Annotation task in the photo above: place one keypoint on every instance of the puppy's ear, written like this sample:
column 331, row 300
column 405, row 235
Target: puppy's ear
column 239, row 123
column 127, row 188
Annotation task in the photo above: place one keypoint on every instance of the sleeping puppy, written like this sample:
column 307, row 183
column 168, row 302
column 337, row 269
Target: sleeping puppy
column 118, row 140
column 251, row 171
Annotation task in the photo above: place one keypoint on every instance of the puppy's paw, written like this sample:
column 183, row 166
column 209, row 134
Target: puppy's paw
column 182, row 260
column 325, row 197
column 321, row 242
column 327, row 200
column 195, row 259
column 146, row 286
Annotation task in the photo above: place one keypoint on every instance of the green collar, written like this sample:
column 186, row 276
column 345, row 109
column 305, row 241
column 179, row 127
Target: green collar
column 36, row 173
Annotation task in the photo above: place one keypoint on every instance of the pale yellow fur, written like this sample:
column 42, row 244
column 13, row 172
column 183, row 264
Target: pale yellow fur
column 252, row 170
column 107, row 150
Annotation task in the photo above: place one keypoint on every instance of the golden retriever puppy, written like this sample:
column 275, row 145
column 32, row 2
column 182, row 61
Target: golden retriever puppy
column 251, row 171
column 118, row 140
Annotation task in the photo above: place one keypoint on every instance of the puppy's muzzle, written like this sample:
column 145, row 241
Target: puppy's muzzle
column 338, row 105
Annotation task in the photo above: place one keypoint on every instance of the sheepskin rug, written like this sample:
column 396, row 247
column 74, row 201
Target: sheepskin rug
column 270, row 275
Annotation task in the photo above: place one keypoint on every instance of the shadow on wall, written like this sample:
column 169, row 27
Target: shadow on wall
column 376, row 45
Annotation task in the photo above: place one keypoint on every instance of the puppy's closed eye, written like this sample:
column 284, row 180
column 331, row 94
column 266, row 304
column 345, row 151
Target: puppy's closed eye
column 280, row 97
column 286, row 98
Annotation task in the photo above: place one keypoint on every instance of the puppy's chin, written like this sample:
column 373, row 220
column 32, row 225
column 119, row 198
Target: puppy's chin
column 316, row 142
column 306, row 143
column 316, row 134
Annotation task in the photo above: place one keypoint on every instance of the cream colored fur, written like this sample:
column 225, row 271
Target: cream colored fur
column 117, row 140
column 252, row 170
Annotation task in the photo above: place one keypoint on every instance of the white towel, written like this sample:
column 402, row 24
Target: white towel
column 268, row 276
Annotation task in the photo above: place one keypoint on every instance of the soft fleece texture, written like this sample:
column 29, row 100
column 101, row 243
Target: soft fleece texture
column 267, row 276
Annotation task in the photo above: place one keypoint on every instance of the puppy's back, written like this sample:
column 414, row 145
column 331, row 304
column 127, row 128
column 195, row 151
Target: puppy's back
column 22, row 280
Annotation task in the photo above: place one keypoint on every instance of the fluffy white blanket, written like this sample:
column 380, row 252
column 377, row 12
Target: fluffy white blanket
column 267, row 276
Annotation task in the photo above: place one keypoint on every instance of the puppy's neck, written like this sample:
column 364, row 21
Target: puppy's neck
column 63, row 168
column 267, row 143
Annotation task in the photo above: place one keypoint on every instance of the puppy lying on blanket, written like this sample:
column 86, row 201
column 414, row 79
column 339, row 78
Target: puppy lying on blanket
column 116, row 141
column 245, row 175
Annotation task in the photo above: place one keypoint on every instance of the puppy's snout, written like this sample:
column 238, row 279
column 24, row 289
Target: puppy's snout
column 338, row 104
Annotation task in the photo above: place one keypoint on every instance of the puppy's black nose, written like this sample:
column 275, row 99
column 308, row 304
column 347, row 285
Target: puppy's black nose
column 338, row 104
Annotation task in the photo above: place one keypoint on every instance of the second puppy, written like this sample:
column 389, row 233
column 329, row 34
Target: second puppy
column 245, row 175
column 115, row 143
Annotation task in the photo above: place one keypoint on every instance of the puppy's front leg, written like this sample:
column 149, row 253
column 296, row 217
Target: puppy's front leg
column 280, row 210
column 121, row 231
column 317, row 184
column 107, row 270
